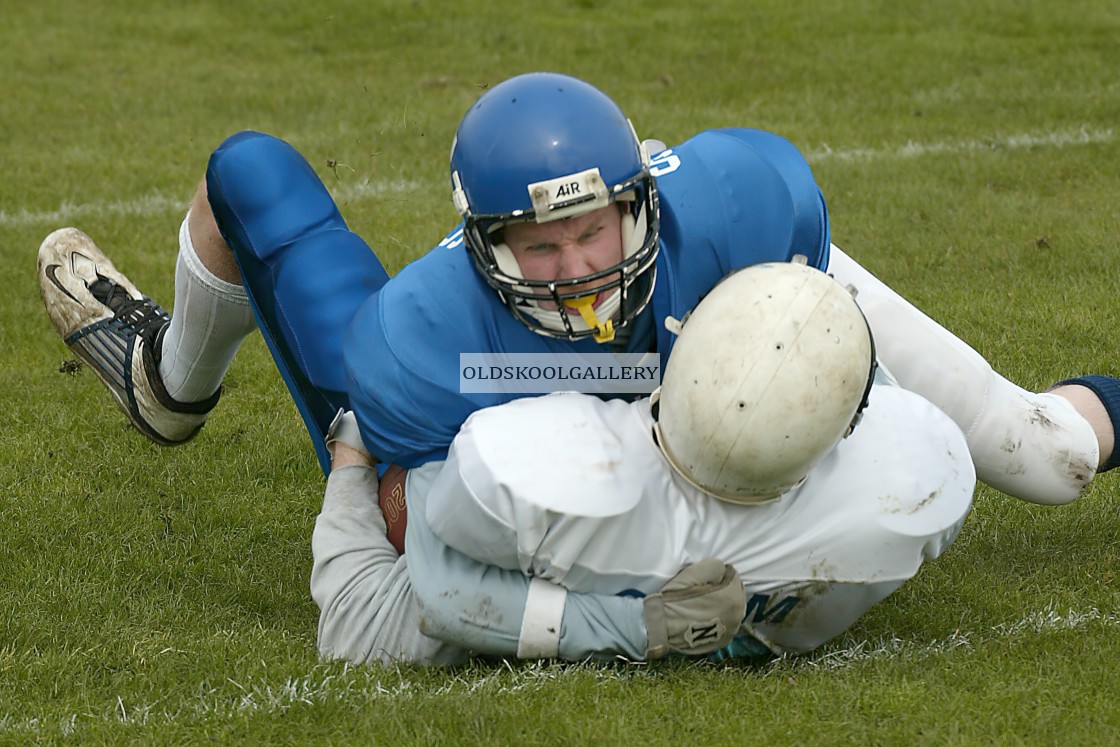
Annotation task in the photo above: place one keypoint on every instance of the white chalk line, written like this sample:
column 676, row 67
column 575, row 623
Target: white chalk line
column 159, row 204
column 328, row 683
column 1083, row 135
column 156, row 204
column 1048, row 620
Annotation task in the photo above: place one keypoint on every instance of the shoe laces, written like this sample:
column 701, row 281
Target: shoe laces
column 141, row 315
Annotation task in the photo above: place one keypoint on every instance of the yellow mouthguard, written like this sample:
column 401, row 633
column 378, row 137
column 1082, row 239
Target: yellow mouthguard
column 604, row 331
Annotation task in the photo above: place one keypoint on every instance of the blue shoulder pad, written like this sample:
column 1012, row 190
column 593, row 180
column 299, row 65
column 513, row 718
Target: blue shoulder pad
column 731, row 198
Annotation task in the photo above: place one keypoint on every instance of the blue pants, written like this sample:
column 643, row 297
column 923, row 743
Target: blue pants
column 306, row 273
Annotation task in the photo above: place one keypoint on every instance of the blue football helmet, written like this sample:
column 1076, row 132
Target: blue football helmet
column 542, row 147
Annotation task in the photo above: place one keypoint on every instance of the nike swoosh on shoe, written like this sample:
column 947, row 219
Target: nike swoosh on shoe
column 50, row 273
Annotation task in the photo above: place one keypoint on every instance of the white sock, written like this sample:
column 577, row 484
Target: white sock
column 210, row 319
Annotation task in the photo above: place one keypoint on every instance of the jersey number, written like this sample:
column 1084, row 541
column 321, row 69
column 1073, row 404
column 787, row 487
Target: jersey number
column 760, row 610
column 665, row 162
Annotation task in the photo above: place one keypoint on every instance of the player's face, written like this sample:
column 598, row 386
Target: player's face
column 568, row 248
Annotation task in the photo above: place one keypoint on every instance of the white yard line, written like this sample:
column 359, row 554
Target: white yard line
column 358, row 685
column 889, row 648
column 158, row 204
column 1057, row 139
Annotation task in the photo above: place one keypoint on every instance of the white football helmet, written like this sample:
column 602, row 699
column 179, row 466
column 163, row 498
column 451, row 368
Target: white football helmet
column 769, row 372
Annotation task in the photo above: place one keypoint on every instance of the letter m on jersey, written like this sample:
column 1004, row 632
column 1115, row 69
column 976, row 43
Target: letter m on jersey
column 760, row 610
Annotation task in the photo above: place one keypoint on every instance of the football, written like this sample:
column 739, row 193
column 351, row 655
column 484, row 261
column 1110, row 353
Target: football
column 390, row 495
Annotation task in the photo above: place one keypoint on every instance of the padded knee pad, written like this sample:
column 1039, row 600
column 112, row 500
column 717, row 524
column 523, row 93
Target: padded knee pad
column 265, row 195
column 305, row 272
column 1035, row 447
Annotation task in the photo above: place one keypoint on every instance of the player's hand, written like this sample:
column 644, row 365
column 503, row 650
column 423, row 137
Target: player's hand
column 344, row 441
column 698, row 611
column 345, row 456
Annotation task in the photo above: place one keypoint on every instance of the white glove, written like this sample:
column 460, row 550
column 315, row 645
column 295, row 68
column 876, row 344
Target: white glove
column 698, row 611
column 344, row 428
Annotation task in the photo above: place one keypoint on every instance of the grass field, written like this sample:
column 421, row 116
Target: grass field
column 969, row 153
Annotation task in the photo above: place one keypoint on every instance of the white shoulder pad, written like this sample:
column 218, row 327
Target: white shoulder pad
column 560, row 453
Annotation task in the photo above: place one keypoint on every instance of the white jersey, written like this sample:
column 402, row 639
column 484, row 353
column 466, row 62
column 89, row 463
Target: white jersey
column 573, row 489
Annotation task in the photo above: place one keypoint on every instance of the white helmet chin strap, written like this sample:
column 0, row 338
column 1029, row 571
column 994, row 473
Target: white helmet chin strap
column 633, row 236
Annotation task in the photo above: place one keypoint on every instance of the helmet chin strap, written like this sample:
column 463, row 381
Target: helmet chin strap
column 555, row 319
column 585, row 305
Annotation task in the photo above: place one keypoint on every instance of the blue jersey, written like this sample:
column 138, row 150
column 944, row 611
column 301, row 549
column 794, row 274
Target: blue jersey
column 729, row 198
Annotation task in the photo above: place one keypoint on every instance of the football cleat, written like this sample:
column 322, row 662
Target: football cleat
column 118, row 332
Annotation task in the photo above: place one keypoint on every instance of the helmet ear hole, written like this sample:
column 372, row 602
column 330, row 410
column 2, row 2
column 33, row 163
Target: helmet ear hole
column 768, row 376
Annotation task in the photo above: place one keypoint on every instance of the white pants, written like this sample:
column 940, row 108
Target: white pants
column 1032, row 446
